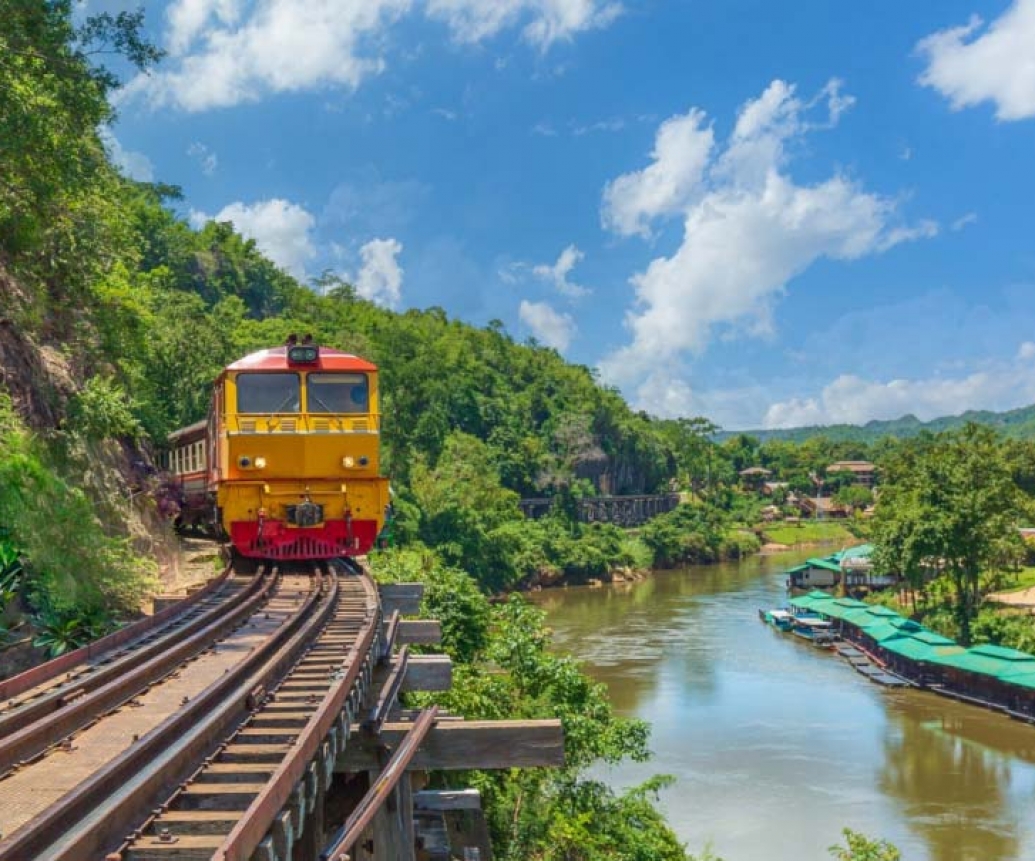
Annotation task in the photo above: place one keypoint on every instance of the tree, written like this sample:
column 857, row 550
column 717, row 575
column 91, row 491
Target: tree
column 950, row 504
column 853, row 496
column 691, row 441
column 57, row 190
column 861, row 848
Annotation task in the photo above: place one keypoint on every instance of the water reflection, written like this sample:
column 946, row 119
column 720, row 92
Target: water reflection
column 962, row 775
column 775, row 745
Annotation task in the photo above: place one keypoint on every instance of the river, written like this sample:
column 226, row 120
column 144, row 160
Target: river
column 776, row 745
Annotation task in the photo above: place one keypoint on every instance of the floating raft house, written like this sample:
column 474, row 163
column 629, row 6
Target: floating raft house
column 994, row 676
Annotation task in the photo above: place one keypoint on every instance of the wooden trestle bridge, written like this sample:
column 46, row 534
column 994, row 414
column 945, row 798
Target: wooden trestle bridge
column 256, row 720
column 632, row 510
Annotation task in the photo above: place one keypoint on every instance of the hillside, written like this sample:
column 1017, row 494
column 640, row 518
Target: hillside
column 1014, row 424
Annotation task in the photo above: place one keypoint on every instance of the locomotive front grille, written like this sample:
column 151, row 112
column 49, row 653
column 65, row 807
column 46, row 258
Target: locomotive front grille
column 304, row 548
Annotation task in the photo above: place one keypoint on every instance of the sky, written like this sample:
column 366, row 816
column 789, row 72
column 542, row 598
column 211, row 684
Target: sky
column 768, row 212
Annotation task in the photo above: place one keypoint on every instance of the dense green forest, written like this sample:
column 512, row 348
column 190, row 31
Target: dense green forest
column 1013, row 424
column 116, row 314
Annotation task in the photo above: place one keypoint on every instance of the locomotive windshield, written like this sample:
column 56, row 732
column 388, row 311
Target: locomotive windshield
column 268, row 393
column 337, row 393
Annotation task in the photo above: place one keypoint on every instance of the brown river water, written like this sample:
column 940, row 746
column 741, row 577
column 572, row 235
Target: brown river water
column 776, row 745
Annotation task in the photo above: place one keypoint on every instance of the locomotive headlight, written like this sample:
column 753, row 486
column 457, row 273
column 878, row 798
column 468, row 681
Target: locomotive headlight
column 348, row 462
column 244, row 461
column 260, row 463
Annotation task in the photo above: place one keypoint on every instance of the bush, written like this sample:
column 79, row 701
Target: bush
column 71, row 562
column 690, row 534
column 739, row 544
column 102, row 410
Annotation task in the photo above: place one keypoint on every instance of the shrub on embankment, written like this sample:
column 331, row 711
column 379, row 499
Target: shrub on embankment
column 76, row 573
column 503, row 668
column 695, row 534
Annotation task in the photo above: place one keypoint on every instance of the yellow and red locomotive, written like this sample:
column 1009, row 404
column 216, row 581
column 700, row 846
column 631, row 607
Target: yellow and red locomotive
column 287, row 464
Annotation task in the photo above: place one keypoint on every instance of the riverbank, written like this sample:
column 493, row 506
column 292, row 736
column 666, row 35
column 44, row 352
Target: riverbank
column 739, row 543
column 774, row 746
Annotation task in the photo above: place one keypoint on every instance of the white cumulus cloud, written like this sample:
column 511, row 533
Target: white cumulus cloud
column 681, row 153
column 207, row 159
column 549, row 326
column 282, row 230
column 228, row 52
column 557, row 273
column 546, row 21
column 748, row 229
column 380, row 275
column 853, row 400
column 973, row 63
column 135, row 165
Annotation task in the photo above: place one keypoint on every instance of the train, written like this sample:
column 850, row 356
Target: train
column 286, row 466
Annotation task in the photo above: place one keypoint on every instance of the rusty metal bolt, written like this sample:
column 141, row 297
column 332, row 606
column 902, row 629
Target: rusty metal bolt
column 165, row 836
column 66, row 745
column 184, row 701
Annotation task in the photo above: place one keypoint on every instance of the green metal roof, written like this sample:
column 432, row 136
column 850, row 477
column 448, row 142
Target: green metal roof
column 1002, row 653
column 805, row 602
column 884, row 630
column 839, row 608
column 917, row 650
column 864, row 617
column 933, row 639
column 861, row 552
column 827, row 564
column 1024, row 680
column 994, row 661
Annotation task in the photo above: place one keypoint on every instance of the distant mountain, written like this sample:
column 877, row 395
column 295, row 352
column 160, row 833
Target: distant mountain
column 1018, row 423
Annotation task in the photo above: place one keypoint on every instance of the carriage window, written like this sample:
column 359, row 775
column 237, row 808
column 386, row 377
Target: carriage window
column 337, row 393
column 268, row 393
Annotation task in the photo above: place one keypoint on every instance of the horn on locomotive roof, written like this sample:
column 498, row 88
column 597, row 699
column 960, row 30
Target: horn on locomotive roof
column 292, row 340
column 307, row 339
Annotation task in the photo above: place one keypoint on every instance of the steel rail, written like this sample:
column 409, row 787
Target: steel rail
column 391, row 632
column 36, row 737
column 81, row 823
column 49, row 670
column 389, row 693
column 258, row 818
column 135, row 654
column 376, row 796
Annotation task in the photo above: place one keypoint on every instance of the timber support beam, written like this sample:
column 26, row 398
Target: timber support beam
column 462, row 745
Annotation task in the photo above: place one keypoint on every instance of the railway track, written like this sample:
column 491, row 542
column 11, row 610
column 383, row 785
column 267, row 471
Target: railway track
column 206, row 773
column 56, row 707
column 50, row 761
column 23, row 696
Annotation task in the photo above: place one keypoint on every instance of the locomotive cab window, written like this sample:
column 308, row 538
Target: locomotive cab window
column 337, row 393
column 268, row 393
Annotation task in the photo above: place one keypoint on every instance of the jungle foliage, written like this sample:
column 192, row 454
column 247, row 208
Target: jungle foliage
column 947, row 516
column 504, row 669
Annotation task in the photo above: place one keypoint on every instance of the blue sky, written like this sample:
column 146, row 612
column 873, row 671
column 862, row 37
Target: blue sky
column 770, row 213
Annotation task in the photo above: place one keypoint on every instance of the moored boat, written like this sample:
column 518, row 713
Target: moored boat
column 780, row 619
column 814, row 629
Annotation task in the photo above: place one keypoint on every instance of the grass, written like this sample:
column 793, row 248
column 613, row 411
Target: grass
column 809, row 532
column 1025, row 579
